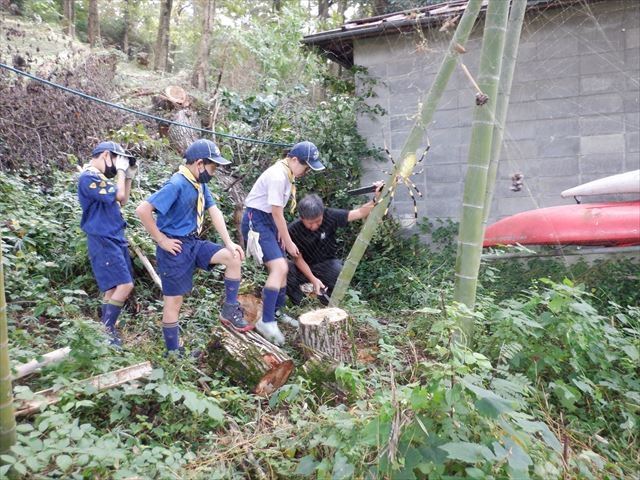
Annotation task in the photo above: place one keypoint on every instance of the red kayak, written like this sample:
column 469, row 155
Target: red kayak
column 614, row 223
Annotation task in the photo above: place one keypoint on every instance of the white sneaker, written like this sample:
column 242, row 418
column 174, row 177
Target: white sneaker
column 270, row 331
column 284, row 318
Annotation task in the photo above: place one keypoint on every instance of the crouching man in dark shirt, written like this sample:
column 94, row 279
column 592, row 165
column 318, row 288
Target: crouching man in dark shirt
column 315, row 235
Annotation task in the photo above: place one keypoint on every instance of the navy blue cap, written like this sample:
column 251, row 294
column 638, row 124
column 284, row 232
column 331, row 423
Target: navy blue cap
column 207, row 150
column 112, row 147
column 308, row 153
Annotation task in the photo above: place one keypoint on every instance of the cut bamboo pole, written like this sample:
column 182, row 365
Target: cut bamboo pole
column 412, row 144
column 326, row 331
column 100, row 382
column 25, row 369
column 249, row 359
column 146, row 263
column 7, row 417
column 471, row 230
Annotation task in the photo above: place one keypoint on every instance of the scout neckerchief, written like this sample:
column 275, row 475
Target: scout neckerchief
column 292, row 181
column 186, row 173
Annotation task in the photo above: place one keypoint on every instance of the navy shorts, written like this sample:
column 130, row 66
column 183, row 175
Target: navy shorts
column 176, row 271
column 110, row 261
column 262, row 222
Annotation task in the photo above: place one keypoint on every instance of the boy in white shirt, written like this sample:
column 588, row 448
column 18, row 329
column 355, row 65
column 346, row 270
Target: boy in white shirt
column 264, row 214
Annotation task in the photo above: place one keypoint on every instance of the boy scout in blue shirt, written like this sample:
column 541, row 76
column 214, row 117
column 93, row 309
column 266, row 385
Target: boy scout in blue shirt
column 180, row 205
column 264, row 214
column 101, row 199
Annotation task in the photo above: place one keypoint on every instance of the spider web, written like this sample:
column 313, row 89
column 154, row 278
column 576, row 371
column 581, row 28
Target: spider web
column 573, row 115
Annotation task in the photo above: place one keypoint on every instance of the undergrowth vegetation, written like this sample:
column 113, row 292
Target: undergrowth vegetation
column 551, row 391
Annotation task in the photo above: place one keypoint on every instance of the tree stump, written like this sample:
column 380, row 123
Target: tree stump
column 250, row 360
column 326, row 331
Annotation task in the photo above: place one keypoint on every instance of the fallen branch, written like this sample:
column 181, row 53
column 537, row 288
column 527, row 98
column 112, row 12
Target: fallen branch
column 25, row 369
column 100, row 382
column 146, row 263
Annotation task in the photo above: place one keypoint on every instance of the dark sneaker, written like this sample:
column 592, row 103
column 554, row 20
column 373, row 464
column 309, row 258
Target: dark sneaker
column 232, row 316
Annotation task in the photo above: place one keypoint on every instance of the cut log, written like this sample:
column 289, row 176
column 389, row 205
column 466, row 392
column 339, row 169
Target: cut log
column 100, row 382
column 25, row 369
column 249, row 359
column 326, row 331
column 181, row 137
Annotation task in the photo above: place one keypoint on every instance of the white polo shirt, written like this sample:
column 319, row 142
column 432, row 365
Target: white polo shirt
column 271, row 189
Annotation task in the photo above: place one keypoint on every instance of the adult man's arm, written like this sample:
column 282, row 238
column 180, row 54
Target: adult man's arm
column 304, row 268
column 364, row 210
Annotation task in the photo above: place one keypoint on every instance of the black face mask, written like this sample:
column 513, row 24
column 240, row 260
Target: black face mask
column 110, row 171
column 204, row 176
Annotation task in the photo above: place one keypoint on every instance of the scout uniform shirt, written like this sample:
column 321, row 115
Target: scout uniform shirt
column 101, row 213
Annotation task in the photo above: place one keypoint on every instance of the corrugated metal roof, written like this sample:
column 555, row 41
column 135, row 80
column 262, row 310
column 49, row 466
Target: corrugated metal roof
column 337, row 44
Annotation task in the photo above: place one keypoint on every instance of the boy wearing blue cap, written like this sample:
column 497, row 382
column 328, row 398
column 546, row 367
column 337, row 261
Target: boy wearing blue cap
column 101, row 198
column 264, row 216
column 180, row 206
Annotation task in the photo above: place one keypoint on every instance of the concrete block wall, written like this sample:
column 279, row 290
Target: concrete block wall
column 574, row 114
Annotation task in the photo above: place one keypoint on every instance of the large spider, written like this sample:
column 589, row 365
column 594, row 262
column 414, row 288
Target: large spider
column 402, row 175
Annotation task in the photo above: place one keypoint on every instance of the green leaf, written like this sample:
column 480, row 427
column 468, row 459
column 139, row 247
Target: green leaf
column 342, row 469
column 632, row 352
column 306, row 466
column 64, row 462
column 467, row 452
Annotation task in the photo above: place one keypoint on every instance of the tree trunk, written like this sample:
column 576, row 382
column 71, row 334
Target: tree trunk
column 249, row 359
column 326, row 331
column 511, row 44
column 93, row 28
column 201, row 65
column 411, row 145
column 471, row 231
column 323, row 9
column 69, row 17
column 125, row 29
column 380, row 7
column 7, row 417
column 161, row 56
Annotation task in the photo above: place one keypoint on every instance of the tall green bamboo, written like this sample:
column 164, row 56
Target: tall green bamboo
column 7, row 417
column 510, row 55
column 471, row 232
column 408, row 154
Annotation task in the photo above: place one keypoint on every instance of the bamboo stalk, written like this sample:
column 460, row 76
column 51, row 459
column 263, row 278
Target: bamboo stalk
column 408, row 155
column 100, row 382
column 471, row 226
column 25, row 369
column 7, row 417
column 510, row 55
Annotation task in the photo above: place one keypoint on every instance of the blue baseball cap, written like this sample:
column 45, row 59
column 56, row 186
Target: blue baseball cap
column 112, row 147
column 307, row 152
column 207, row 150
